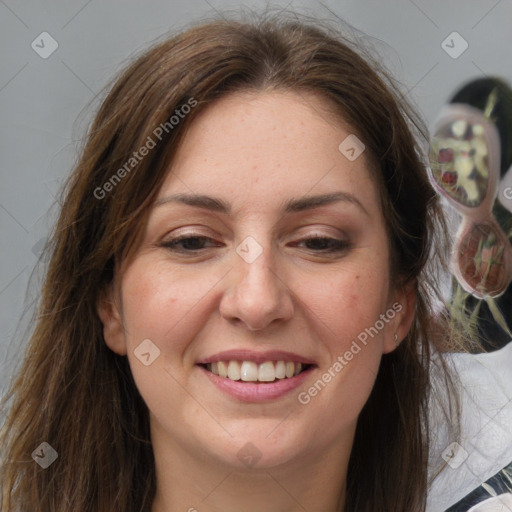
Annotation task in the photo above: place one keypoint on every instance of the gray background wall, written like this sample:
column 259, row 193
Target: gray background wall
column 42, row 100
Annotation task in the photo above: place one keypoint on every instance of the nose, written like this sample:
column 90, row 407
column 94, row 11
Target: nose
column 256, row 295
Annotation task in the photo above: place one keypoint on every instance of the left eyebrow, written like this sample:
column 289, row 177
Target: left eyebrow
column 292, row 206
column 310, row 202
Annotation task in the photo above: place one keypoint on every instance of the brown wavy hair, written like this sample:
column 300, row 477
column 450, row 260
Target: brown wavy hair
column 80, row 397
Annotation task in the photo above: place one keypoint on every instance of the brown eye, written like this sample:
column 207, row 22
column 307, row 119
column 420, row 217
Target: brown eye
column 188, row 243
column 325, row 244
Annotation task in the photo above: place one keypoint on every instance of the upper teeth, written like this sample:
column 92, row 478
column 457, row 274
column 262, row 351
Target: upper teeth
column 250, row 371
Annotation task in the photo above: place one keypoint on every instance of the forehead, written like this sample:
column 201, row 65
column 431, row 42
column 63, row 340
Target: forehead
column 265, row 147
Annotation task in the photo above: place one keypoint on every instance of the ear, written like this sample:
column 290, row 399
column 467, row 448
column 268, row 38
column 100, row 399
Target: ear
column 403, row 304
column 113, row 331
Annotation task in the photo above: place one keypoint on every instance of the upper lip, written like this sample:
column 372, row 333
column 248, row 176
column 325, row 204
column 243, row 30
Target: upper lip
column 256, row 357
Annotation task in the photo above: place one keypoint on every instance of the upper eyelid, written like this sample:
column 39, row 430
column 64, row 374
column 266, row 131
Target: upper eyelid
column 317, row 230
column 186, row 236
column 198, row 234
column 314, row 216
column 311, row 236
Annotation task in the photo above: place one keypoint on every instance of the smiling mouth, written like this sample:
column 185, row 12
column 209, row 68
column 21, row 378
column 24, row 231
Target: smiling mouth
column 249, row 371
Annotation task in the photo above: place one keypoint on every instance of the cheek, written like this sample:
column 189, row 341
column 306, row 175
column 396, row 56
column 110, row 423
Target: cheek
column 345, row 316
column 166, row 307
column 169, row 309
column 347, row 302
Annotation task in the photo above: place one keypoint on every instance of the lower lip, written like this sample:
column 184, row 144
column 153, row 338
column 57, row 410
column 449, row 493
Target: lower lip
column 257, row 391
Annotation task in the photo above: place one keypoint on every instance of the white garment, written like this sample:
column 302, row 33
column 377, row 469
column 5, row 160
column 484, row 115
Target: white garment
column 501, row 503
column 485, row 446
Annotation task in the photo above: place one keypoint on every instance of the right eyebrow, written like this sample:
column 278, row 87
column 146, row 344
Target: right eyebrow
column 199, row 201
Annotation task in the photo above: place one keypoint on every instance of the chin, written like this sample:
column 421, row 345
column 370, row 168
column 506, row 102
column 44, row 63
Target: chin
column 259, row 444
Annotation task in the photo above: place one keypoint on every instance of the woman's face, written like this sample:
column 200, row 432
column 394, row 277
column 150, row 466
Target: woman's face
column 266, row 248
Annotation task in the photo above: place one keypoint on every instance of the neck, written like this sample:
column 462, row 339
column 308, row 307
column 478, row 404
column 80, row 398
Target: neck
column 186, row 483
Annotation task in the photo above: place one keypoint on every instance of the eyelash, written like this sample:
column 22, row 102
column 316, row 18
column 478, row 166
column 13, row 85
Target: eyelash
column 340, row 245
